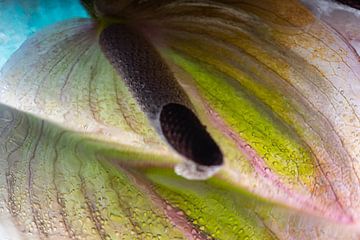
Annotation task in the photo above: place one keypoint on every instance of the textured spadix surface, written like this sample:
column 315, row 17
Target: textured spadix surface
column 276, row 87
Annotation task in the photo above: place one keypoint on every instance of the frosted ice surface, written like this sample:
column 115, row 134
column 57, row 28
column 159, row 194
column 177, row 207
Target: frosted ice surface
column 21, row 18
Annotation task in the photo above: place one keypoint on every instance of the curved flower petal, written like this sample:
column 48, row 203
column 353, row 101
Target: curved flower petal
column 58, row 184
column 275, row 86
column 285, row 87
column 66, row 79
column 55, row 185
column 342, row 18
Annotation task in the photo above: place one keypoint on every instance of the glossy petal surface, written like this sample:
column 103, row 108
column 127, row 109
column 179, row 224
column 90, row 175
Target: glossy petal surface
column 276, row 86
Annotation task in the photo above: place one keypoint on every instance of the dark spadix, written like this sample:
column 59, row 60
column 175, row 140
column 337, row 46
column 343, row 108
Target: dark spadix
column 159, row 94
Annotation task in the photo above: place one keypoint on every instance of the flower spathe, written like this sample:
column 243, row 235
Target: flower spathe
column 276, row 87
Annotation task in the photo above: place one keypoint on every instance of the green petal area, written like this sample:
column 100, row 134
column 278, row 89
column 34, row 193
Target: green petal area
column 61, row 75
column 282, row 153
column 279, row 83
column 54, row 186
column 59, row 184
column 225, row 212
column 277, row 88
column 209, row 206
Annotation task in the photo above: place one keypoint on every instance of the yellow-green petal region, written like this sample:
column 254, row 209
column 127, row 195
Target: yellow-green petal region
column 211, row 207
column 226, row 212
column 54, row 186
column 283, row 87
column 277, row 89
column 282, row 153
column 58, row 184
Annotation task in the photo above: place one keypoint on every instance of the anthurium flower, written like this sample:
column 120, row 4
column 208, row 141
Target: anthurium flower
column 184, row 120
